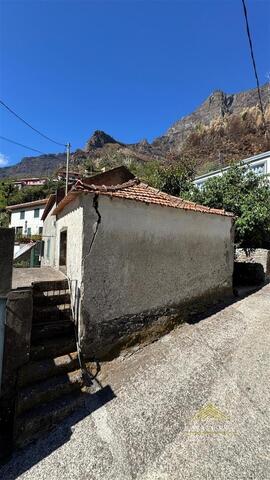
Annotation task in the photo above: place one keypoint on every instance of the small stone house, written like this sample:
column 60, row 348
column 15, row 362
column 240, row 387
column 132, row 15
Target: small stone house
column 137, row 259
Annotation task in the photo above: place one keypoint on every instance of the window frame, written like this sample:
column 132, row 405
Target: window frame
column 36, row 210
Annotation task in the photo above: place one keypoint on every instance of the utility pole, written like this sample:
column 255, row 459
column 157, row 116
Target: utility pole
column 67, row 166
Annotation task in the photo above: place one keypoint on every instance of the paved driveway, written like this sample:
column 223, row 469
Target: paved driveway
column 194, row 405
column 23, row 277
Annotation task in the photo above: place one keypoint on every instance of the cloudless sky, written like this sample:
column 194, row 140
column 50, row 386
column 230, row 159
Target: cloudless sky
column 130, row 68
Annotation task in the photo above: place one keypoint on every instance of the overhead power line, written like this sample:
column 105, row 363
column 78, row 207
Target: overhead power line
column 30, row 126
column 21, row 145
column 253, row 60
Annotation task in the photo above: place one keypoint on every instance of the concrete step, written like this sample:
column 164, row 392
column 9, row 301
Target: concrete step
column 34, row 423
column 51, row 300
column 51, row 285
column 47, row 390
column 43, row 369
column 51, row 330
column 51, row 348
column 53, row 313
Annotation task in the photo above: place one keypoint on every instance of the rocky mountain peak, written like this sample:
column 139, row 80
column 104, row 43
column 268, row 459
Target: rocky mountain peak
column 227, row 125
column 98, row 140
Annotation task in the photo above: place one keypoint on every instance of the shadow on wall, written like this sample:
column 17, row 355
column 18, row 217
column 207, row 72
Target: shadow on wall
column 23, row 460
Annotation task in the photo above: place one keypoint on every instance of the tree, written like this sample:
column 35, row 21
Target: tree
column 171, row 177
column 245, row 194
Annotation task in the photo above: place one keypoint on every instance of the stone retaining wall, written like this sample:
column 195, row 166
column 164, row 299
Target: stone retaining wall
column 260, row 256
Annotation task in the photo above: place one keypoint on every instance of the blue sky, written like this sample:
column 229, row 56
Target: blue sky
column 130, row 68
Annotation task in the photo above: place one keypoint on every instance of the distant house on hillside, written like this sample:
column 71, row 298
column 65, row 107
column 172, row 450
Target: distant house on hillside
column 29, row 182
column 137, row 259
column 26, row 217
column 72, row 176
column 259, row 164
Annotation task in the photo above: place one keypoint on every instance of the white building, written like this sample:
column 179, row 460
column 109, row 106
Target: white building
column 29, row 182
column 137, row 259
column 259, row 164
column 26, row 217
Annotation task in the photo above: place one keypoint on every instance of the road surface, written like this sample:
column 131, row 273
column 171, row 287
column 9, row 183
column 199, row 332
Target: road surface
column 193, row 405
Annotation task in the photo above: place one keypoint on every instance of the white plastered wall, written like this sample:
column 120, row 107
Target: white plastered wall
column 147, row 256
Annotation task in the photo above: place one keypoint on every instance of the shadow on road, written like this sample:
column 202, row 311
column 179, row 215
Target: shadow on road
column 240, row 292
column 22, row 460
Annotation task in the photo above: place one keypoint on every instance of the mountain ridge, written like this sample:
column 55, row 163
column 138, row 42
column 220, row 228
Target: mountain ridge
column 227, row 126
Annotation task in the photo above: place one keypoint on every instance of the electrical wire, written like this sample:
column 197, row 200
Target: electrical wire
column 21, row 145
column 253, row 60
column 30, row 126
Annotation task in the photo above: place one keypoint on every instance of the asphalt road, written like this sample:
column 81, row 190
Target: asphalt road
column 194, row 405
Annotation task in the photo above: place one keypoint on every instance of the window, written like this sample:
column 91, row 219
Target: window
column 19, row 231
column 259, row 169
column 40, row 230
column 200, row 184
column 22, row 215
column 36, row 213
column 29, row 231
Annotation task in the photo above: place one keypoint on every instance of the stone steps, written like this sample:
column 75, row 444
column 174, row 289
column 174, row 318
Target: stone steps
column 51, row 330
column 37, row 421
column 46, row 390
column 50, row 384
column 53, row 347
column 39, row 370
column 50, row 286
column 41, row 300
column 51, row 313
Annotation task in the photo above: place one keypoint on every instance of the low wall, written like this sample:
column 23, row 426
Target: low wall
column 258, row 256
column 6, row 259
column 246, row 274
column 16, row 353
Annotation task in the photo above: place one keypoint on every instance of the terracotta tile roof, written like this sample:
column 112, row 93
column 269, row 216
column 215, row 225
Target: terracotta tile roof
column 50, row 203
column 140, row 192
column 35, row 203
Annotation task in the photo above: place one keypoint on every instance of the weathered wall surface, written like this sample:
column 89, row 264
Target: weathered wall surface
column 6, row 266
column 16, row 353
column 6, row 259
column 71, row 218
column 48, row 236
column 17, row 336
column 146, row 263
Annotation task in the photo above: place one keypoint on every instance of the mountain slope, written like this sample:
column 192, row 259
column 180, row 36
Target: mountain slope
column 217, row 106
column 224, row 128
column 41, row 166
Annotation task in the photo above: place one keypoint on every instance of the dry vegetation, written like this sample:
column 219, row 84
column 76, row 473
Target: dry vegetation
column 229, row 139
